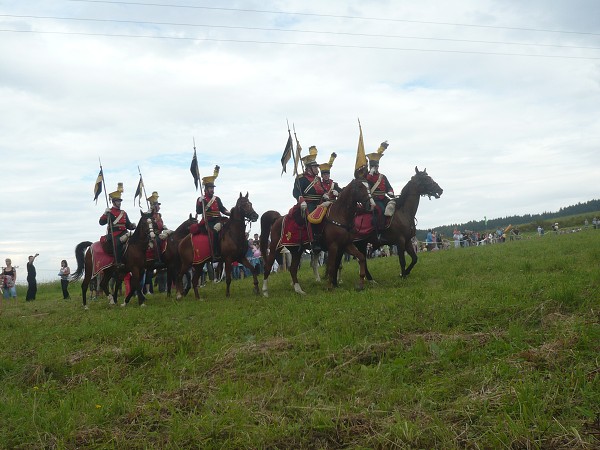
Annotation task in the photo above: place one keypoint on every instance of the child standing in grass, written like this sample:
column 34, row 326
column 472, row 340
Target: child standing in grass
column 64, row 273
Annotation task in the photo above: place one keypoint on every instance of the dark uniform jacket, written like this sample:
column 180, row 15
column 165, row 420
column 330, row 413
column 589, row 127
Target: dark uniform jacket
column 214, row 207
column 308, row 188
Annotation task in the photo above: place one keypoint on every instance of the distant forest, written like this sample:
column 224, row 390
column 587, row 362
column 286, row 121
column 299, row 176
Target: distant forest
column 527, row 222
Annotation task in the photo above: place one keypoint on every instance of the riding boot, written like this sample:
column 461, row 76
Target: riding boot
column 216, row 246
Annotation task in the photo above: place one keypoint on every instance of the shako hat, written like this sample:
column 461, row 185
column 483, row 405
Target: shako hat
column 116, row 195
column 326, row 167
column 375, row 157
column 153, row 199
column 311, row 158
column 210, row 181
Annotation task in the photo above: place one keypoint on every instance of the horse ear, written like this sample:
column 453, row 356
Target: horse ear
column 246, row 194
column 190, row 216
column 240, row 195
column 416, row 169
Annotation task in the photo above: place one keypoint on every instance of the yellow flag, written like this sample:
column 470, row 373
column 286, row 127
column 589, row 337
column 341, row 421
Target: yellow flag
column 360, row 168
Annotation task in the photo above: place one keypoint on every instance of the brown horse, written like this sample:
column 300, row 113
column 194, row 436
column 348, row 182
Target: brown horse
column 402, row 227
column 134, row 259
column 171, row 254
column 335, row 236
column 234, row 246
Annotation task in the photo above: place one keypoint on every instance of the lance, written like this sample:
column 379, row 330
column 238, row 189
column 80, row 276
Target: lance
column 108, row 214
column 208, row 230
column 144, row 188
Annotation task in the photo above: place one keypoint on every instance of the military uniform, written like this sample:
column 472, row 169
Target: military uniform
column 308, row 187
column 212, row 205
column 381, row 189
column 331, row 188
column 119, row 223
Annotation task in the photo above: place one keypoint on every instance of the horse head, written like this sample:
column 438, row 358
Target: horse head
column 426, row 185
column 245, row 206
column 364, row 196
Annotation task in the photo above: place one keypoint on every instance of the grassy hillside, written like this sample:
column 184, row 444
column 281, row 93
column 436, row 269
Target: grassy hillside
column 481, row 347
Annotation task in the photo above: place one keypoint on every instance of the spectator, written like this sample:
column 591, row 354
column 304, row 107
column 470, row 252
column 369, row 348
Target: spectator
column 64, row 273
column 9, row 277
column 429, row 240
column 456, row 236
column 31, row 281
column 595, row 223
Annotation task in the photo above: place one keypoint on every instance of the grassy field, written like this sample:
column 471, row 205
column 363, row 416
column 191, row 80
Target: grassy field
column 481, row 347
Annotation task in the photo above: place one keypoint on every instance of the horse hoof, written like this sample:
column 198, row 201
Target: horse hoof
column 85, row 307
column 143, row 305
column 360, row 287
column 123, row 305
column 178, row 297
column 266, row 294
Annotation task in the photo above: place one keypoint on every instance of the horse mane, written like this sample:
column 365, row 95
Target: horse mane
column 136, row 236
column 184, row 228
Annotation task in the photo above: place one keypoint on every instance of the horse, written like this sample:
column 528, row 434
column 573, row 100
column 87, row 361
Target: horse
column 234, row 246
column 170, row 255
column 402, row 227
column 134, row 259
column 336, row 236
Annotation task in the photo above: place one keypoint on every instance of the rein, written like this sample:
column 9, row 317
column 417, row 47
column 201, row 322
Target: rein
column 351, row 225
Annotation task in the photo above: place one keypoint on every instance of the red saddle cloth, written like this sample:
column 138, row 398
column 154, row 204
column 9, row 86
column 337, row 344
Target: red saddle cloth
column 363, row 225
column 151, row 251
column 201, row 248
column 100, row 259
column 292, row 232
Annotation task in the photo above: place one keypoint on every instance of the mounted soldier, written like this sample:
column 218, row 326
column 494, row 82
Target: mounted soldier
column 308, row 188
column 215, row 211
column 161, row 229
column 118, row 226
column 381, row 189
column 331, row 187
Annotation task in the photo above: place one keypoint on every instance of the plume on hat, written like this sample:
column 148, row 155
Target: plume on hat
column 382, row 147
column 216, row 171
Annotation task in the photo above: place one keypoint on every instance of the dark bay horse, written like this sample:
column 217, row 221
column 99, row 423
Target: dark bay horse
column 336, row 236
column 402, row 227
column 234, row 246
column 170, row 256
column 134, row 259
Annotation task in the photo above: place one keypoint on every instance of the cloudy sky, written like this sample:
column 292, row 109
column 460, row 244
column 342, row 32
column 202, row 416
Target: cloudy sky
column 499, row 101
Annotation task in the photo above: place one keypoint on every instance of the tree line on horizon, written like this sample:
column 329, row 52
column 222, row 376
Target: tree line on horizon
column 526, row 222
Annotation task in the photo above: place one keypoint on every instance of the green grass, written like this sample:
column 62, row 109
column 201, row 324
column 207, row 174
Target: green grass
column 481, row 347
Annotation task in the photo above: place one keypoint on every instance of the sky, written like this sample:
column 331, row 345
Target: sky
column 499, row 101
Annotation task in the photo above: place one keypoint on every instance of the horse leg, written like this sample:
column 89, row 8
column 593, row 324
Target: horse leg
column 338, row 269
column 269, row 260
column 198, row 268
column 332, row 266
column 86, row 280
column 296, row 254
column 103, row 286
column 413, row 259
column 254, row 272
column 314, row 263
column 362, row 247
column 362, row 264
column 228, row 268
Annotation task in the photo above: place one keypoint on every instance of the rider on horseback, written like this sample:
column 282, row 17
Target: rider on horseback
column 214, row 210
column 119, row 224
column 161, row 230
column 331, row 187
column 308, row 187
column 381, row 189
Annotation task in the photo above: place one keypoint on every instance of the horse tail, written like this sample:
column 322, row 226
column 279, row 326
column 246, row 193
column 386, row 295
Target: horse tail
column 80, row 256
column 266, row 221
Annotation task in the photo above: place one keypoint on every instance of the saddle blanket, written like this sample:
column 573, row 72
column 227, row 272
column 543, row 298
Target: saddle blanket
column 100, row 259
column 292, row 233
column 201, row 248
column 363, row 225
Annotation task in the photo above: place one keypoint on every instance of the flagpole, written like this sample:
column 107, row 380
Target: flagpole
column 110, row 224
column 208, row 230
column 144, row 188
